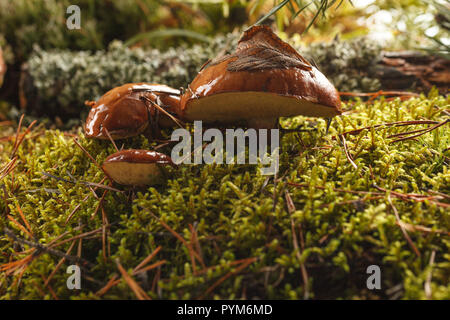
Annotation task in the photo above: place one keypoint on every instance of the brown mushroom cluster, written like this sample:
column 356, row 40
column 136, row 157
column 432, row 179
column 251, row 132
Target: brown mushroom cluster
column 264, row 79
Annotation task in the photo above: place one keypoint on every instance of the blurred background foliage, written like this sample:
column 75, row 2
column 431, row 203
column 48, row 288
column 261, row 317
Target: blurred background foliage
column 29, row 28
column 162, row 24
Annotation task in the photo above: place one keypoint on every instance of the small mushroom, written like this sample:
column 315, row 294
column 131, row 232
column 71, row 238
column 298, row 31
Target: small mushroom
column 264, row 79
column 127, row 110
column 137, row 167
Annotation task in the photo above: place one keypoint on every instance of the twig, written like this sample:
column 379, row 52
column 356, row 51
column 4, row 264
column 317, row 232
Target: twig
column 105, row 235
column 10, row 267
column 21, row 227
column 244, row 265
column 412, row 228
column 138, row 291
column 79, row 205
column 408, row 196
column 178, row 236
column 112, row 282
column 24, row 220
column 63, row 259
column 403, row 196
column 111, row 139
column 8, row 168
column 298, row 251
column 6, row 123
column 405, row 234
column 194, row 239
column 347, row 154
column 405, row 133
column 17, row 135
column 274, row 193
column 427, row 286
column 150, row 267
column 378, row 93
column 446, row 196
column 46, row 249
column 300, row 185
column 93, row 184
column 147, row 259
column 22, row 138
column 423, row 132
column 83, row 235
column 99, row 205
column 52, row 292
column 178, row 122
column 92, row 159
column 391, row 124
column 18, row 141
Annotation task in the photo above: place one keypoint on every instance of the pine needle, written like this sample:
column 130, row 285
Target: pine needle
column 244, row 265
column 405, row 233
column 138, row 291
column 147, row 259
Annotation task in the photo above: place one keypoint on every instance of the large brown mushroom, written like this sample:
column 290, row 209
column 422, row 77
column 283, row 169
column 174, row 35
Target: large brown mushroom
column 137, row 167
column 264, row 79
column 128, row 110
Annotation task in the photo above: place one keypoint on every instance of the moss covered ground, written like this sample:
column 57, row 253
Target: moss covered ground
column 338, row 204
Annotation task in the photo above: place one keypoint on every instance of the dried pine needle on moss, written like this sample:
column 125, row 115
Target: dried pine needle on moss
column 226, row 231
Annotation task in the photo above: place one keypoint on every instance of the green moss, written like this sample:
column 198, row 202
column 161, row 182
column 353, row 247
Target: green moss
column 24, row 24
column 239, row 214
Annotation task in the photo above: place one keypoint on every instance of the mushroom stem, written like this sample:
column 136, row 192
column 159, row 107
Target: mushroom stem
column 263, row 123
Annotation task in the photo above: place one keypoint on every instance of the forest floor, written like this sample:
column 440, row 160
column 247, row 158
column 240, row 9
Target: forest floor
column 375, row 190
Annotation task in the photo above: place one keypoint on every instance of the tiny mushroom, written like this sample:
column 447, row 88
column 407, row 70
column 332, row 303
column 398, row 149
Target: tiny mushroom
column 128, row 110
column 264, row 79
column 137, row 167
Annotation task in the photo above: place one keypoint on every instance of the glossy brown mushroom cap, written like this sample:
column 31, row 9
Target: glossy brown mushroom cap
column 124, row 114
column 140, row 156
column 136, row 167
column 265, row 78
